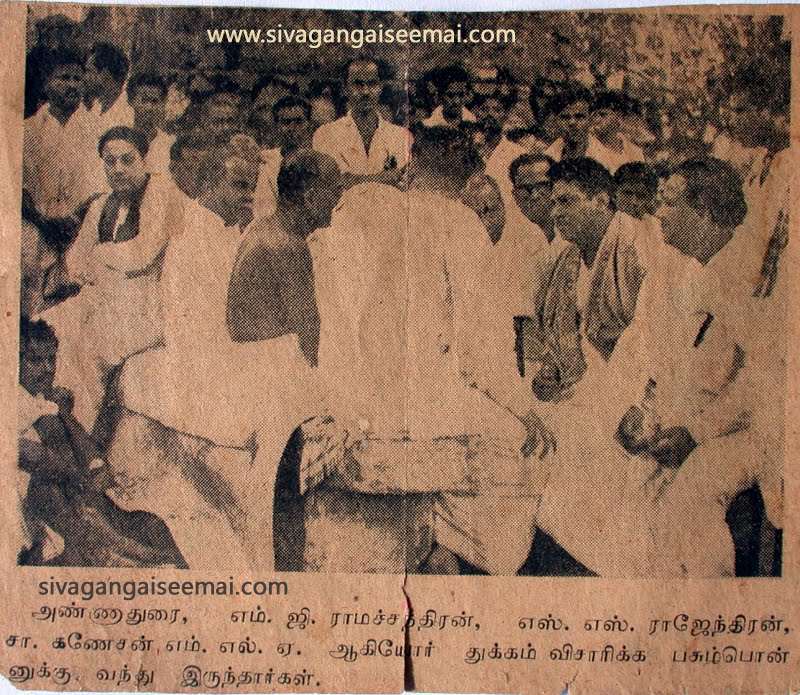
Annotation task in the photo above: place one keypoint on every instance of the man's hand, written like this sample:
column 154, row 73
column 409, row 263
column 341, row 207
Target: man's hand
column 540, row 438
column 672, row 446
column 546, row 384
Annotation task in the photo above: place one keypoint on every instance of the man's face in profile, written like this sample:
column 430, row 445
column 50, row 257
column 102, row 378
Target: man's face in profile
column 532, row 192
column 64, row 87
column 237, row 188
column 124, row 166
column 574, row 212
column 37, row 366
column 574, row 120
column 324, row 195
column 483, row 197
column 680, row 222
column 363, row 86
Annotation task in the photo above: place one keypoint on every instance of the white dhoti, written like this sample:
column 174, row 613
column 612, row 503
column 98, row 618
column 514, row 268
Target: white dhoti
column 97, row 330
column 245, row 397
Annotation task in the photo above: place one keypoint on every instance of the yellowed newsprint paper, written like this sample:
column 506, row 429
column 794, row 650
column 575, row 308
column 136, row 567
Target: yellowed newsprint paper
column 362, row 352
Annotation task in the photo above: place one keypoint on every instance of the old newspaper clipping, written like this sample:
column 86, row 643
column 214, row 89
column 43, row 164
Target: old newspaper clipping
column 357, row 351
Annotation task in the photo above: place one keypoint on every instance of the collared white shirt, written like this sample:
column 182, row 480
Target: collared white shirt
column 389, row 149
column 60, row 165
column 119, row 113
column 158, row 155
column 437, row 117
column 610, row 159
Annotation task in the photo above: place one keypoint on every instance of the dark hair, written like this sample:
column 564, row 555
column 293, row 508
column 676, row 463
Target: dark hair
column 448, row 152
column 298, row 173
column 147, row 79
column 272, row 78
column 714, row 186
column 566, row 98
column 34, row 332
column 221, row 85
column 384, row 69
column 590, row 176
column 612, row 100
column 186, row 141
column 53, row 58
column 525, row 160
column 123, row 132
column 327, row 89
column 290, row 103
column 637, row 172
column 449, row 75
column 107, row 56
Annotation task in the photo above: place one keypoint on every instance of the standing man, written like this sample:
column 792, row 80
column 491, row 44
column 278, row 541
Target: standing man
column 56, row 170
column 147, row 96
column 291, row 131
column 453, row 93
column 362, row 143
column 104, row 97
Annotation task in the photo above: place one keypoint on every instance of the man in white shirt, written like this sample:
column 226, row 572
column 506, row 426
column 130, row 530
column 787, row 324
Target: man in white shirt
column 609, row 145
column 147, row 96
column 242, row 305
column 58, row 169
column 434, row 412
column 612, row 247
column 712, row 415
column 362, row 143
column 104, row 95
column 453, row 93
column 117, row 259
column 573, row 111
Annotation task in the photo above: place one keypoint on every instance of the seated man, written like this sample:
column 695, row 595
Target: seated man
column 546, row 309
column 435, row 417
column 705, row 428
column 68, row 478
column 243, row 307
column 117, row 260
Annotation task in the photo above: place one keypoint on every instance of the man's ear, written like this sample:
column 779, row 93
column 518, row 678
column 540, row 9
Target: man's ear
column 602, row 200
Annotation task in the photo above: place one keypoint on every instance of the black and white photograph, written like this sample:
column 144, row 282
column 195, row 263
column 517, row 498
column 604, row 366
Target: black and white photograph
column 445, row 293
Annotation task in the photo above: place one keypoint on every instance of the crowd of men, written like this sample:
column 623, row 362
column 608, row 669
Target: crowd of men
column 496, row 327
